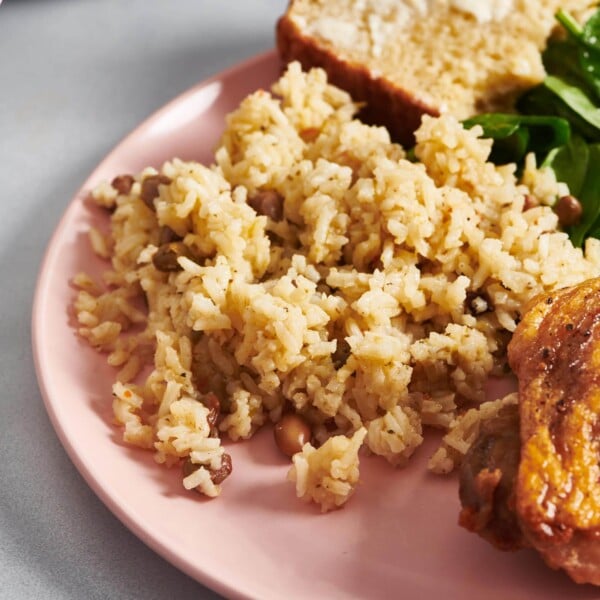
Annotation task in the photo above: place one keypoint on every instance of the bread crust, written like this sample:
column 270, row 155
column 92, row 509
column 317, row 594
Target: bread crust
column 385, row 104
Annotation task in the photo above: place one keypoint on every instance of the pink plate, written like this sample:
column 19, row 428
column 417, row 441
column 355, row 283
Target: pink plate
column 397, row 538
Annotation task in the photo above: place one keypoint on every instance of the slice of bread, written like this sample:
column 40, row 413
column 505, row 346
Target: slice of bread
column 405, row 58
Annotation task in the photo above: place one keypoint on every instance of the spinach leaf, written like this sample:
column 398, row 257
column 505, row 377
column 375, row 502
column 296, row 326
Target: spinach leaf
column 512, row 148
column 516, row 135
column 570, row 24
column 562, row 58
column 593, row 232
column 590, row 64
column 576, row 99
column 588, row 34
column 559, row 120
column 589, row 196
column 541, row 101
column 570, row 163
column 591, row 31
column 587, row 41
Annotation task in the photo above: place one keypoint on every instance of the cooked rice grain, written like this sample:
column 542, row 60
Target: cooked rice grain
column 379, row 303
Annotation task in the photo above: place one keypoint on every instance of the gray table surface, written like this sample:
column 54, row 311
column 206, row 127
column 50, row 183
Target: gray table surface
column 75, row 77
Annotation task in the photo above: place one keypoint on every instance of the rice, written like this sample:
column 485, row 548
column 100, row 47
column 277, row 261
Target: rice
column 328, row 475
column 374, row 297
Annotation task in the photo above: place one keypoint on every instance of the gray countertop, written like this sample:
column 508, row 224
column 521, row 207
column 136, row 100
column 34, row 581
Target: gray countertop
column 75, row 77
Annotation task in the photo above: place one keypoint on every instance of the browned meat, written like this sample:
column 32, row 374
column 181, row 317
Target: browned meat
column 487, row 482
column 545, row 494
column 555, row 353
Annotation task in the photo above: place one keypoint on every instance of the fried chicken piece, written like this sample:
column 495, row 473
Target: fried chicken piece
column 533, row 478
column 555, row 354
column 487, row 478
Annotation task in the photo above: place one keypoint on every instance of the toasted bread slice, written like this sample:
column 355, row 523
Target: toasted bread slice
column 406, row 58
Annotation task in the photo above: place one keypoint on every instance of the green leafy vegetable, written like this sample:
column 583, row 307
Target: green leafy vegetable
column 589, row 196
column 541, row 100
column 590, row 63
column 586, row 39
column 559, row 120
column 590, row 31
column 570, row 163
column 570, row 25
column 576, row 99
column 561, row 57
column 516, row 135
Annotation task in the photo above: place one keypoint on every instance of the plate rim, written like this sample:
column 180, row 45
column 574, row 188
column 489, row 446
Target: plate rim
column 127, row 518
column 215, row 580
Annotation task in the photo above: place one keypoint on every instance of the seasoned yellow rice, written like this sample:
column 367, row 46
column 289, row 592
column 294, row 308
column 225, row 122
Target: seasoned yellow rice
column 377, row 306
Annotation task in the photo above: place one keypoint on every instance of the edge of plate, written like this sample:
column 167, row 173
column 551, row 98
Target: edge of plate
column 129, row 519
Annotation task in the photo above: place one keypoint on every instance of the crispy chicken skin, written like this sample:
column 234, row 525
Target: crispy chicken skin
column 532, row 477
column 555, row 354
